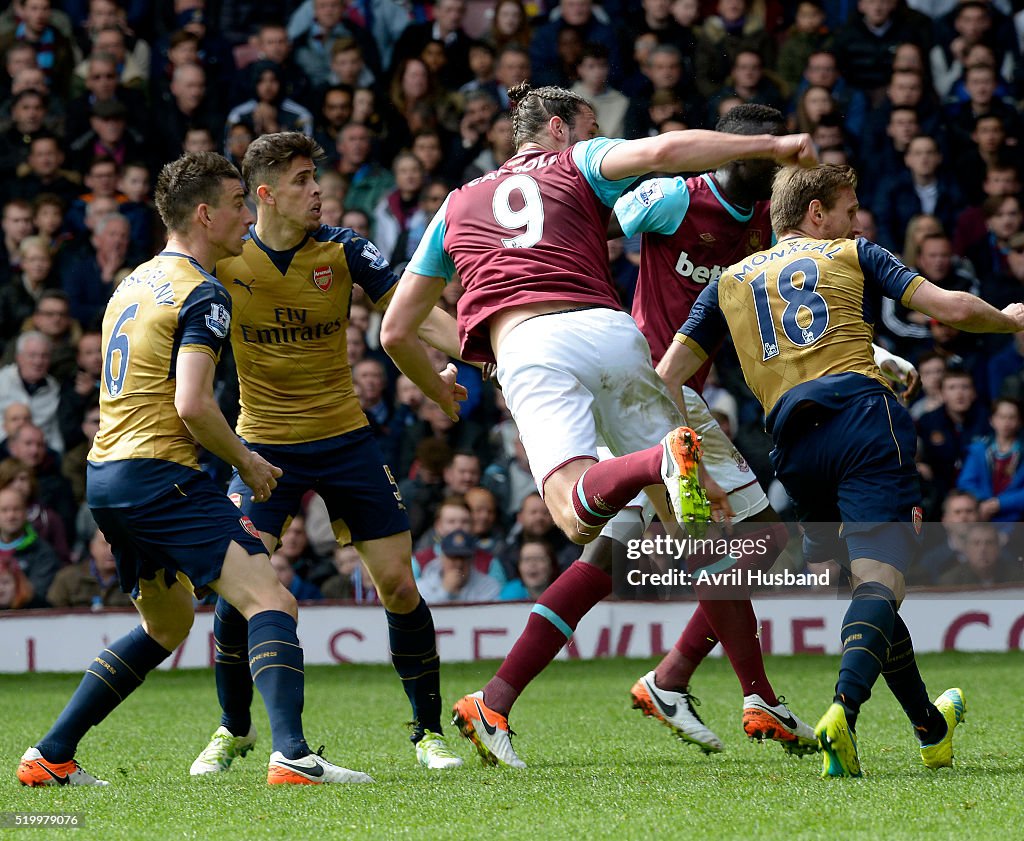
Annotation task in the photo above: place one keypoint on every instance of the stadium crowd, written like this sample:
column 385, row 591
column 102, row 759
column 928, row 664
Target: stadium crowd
column 408, row 100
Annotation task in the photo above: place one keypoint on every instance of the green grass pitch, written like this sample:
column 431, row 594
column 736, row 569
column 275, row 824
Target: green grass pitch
column 597, row 769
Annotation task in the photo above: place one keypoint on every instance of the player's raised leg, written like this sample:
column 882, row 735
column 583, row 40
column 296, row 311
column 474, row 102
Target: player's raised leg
column 585, row 494
column 581, row 373
column 583, row 497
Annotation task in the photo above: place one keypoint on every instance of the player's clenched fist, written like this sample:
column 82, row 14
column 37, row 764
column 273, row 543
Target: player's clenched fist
column 260, row 476
column 796, row 149
column 1016, row 312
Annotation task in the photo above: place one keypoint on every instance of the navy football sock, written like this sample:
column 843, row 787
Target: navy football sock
column 231, row 667
column 275, row 659
column 867, row 630
column 414, row 653
column 905, row 682
column 111, row 677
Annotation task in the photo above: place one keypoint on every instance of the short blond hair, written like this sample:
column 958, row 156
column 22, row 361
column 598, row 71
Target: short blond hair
column 795, row 188
column 35, row 242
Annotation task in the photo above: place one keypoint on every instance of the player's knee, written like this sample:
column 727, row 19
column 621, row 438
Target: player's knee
column 578, row 536
column 170, row 630
column 286, row 603
column 564, row 516
column 265, row 595
column 398, row 591
column 274, row 597
column 572, row 528
column 394, row 583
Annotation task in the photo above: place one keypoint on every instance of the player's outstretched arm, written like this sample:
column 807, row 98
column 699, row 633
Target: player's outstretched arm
column 965, row 311
column 695, row 149
column 410, row 307
column 197, row 407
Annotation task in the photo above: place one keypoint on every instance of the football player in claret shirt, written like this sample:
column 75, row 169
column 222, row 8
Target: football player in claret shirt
column 692, row 228
column 844, row 446
column 291, row 287
column 529, row 243
column 171, row 529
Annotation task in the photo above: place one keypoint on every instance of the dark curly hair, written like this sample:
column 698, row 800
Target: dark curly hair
column 532, row 107
column 749, row 118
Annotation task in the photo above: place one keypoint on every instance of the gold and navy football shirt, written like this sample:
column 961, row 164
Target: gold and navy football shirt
column 801, row 314
column 168, row 305
column 290, row 315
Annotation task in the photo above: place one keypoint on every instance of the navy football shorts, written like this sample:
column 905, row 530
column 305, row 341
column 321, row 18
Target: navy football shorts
column 854, row 467
column 348, row 471
column 186, row 530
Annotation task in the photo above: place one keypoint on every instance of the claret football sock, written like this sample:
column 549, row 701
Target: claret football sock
column 414, row 654
column 113, row 675
column 867, row 631
column 275, row 660
column 500, row 695
column 735, row 625
column 231, row 668
column 551, row 625
column 729, row 621
column 607, row 486
column 676, row 668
